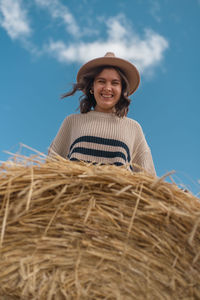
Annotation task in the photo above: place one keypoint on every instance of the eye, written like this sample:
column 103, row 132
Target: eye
column 100, row 80
column 116, row 82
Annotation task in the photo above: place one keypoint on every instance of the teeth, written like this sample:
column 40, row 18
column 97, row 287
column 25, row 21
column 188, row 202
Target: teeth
column 107, row 96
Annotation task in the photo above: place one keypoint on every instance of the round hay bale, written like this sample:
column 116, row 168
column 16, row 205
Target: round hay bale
column 77, row 231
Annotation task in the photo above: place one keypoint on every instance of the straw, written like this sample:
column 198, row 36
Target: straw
column 73, row 230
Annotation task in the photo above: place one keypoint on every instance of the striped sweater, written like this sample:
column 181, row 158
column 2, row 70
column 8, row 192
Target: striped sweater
column 103, row 138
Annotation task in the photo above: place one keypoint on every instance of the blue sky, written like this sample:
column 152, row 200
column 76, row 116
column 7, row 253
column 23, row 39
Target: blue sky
column 43, row 43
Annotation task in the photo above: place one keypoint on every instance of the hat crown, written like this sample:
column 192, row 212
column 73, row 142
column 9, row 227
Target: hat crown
column 109, row 54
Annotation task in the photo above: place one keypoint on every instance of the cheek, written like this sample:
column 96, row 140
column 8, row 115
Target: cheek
column 95, row 88
column 119, row 91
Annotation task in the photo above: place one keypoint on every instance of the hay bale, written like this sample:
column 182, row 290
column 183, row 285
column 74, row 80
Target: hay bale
column 77, row 231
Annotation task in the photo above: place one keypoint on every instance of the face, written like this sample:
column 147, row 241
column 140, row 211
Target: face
column 107, row 90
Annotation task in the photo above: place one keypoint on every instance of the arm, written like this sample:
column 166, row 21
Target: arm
column 145, row 161
column 60, row 144
column 142, row 153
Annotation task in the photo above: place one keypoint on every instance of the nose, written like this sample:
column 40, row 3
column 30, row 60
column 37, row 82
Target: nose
column 107, row 87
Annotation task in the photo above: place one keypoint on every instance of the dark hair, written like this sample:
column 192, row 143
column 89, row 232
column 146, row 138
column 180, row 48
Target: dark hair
column 87, row 101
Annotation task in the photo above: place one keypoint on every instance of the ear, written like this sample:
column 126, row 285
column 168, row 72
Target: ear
column 91, row 90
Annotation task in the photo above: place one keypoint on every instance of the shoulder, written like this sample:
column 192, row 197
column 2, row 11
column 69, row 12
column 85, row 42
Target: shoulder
column 75, row 120
column 70, row 118
column 78, row 116
column 133, row 123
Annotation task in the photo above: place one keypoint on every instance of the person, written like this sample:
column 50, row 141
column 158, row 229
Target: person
column 102, row 132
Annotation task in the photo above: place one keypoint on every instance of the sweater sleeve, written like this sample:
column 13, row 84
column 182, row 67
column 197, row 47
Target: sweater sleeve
column 60, row 144
column 141, row 156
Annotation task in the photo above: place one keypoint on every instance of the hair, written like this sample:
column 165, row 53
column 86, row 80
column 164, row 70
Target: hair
column 87, row 101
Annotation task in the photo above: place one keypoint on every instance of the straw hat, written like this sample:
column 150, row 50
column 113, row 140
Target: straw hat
column 110, row 59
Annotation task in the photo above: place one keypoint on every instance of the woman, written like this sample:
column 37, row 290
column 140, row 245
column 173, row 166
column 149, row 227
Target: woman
column 102, row 133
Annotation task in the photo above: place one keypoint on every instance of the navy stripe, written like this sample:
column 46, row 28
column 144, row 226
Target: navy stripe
column 118, row 164
column 98, row 153
column 103, row 141
column 87, row 161
column 95, row 163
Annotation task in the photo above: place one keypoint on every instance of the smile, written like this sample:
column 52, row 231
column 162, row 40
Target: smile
column 106, row 96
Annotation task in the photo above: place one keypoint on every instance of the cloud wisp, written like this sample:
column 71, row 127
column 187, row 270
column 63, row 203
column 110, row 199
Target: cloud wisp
column 155, row 10
column 13, row 18
column 61, row 12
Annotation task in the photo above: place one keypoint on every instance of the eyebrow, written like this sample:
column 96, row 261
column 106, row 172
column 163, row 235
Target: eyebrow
column 115, row 79
column 118, row 80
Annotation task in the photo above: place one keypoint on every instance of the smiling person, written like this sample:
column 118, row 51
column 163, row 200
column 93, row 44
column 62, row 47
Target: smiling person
column 102, row 132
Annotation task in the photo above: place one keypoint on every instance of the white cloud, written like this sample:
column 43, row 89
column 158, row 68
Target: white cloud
column 59, row 11
column 13, row 18
column 145, row 51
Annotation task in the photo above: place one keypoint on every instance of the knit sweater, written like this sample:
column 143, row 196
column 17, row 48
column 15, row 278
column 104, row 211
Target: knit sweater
column 103, row 138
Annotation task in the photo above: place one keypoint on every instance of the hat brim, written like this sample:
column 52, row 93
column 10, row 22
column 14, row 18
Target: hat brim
column 125, row 66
